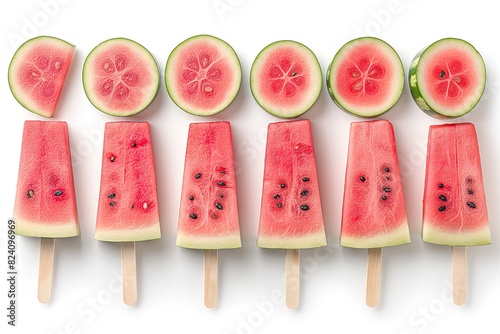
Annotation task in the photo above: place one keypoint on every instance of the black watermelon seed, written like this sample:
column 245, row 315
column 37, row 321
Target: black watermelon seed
column 383, row 198
column 58, row 193
column 305, row 179
column 222, row 196
column 471, row 205
column 387, row 189
column 112, row 203
column 112, row 158
column 223, row 173
column 304, row 193
column 440, row 185
column 221, row 183
column 193, row 216
column 442, row 74
column 470, row 191
column 191, row 198
column 442, row 208
column 112, row 195
column 30, row 193
column 283, row 186
column 279, row 205
column 197, row 176
column 387, row 170
column 218, row 206
column 443, row 198
column 134, row 144
column 304, row 207
column 276, row 196
column 362, row 178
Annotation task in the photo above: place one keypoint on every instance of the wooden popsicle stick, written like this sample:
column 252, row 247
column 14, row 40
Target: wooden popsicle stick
column 46, row 268
column 292, row 277
column 374, row 268
column 129, row 273
column 459, row 273
column 210, row 277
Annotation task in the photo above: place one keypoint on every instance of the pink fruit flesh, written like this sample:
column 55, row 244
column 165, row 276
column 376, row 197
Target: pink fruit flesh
column 128, row 205
column 284, row 79
column 45, row 203
column 41, row 75
column 450, row 78
column 204, row 75
column 117, row 74
column 364, row 77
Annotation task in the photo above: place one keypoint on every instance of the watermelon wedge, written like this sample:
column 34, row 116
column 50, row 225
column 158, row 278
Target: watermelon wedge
column 290, row 216
column 128, row 204
column 373, row 212
column 38, row 71
column 208, row 216
column 45, row 204
column 454, row 207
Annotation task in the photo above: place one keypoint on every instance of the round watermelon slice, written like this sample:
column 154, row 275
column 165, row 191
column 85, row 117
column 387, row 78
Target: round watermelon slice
column 285, row 79
column 366, row 77
column 120, row 77
column 203, row 75
column 447, row 79
column 37, row 73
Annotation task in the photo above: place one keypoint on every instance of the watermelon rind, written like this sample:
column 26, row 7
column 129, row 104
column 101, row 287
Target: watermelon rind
column 302, row 242
column 396, row 237
column 171, row 82
column 28, row 228
column 425, row 102
column 129, row 235
column 200, row 242
column 397, row 83
column 478, row 237
column 308, row 100
column 151, row 90
column 24, row 99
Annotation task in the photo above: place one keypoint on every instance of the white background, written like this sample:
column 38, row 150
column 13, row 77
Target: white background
column 415, row 291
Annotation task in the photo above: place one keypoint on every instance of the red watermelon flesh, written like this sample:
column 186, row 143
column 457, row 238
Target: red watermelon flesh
column 373, row 213
column 38, row 71
column 291, row 216
column 128, row 204
column 208, row 216
column 45, row 204
column 454, row 207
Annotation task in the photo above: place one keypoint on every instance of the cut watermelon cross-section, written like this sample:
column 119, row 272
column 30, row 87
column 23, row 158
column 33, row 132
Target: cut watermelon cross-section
column 373, row 213
column 291, row 216
column 128, row 204
column 45, row 204
column 454, row 207
column 208, row 215
column 38, row 71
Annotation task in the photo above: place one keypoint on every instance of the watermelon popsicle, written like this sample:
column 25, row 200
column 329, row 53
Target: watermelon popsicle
column 454, row 202
column 128, row 205
column 373, row 212
column 291, row 217
column 208, row 215
column 45, row 204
